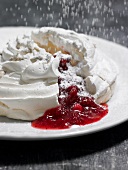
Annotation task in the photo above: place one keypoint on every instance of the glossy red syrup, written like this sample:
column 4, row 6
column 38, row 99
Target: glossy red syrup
column 73, row 109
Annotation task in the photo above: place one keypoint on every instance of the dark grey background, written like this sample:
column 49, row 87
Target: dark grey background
column 104, row 150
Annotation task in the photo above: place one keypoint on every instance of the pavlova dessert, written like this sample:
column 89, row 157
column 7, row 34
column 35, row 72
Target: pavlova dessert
column 56, row 75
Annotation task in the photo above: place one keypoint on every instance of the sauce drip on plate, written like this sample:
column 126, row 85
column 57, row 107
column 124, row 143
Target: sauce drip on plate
column 73, row 110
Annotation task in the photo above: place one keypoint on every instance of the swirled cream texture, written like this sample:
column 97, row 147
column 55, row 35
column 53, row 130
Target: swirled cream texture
column 29, row 71
column 28, row 84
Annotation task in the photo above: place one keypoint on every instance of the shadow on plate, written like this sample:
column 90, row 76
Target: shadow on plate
column 52, row 151
column 7, row 120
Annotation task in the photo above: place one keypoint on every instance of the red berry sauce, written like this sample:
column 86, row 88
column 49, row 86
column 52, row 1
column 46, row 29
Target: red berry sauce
column 73, row 110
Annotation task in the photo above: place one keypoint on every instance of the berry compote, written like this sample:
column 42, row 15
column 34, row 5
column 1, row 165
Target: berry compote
column 74, row 109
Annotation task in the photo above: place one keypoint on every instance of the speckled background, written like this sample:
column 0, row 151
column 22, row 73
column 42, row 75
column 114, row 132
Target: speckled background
column 106, row 19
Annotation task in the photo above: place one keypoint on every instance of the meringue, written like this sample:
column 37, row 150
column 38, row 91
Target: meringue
column 29, row 71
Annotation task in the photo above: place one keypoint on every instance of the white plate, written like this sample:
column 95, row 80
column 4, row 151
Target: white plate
column 118, row 105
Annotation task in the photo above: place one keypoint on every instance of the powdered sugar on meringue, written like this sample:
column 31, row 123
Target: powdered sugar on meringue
column 89, row 63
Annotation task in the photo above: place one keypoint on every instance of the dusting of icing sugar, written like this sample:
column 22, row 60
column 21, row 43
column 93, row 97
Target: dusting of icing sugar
column 91, row 63
column 70, row 77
